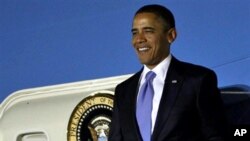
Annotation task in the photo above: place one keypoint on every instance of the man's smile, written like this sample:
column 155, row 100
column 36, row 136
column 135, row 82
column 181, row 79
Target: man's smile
column 143, row 49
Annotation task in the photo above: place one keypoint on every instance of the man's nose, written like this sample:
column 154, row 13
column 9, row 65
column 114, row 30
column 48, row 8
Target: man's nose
column 141, row 38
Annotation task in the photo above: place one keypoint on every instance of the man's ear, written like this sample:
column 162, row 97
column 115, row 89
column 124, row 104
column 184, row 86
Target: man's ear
column 171, row 35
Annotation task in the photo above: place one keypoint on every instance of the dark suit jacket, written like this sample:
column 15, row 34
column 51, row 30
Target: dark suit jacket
column 189, row 110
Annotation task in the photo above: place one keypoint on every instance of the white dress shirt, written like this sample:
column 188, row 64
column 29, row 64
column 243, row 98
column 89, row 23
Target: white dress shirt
column 158, row 83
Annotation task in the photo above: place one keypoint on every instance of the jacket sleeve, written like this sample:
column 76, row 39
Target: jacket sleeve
column 115, row 128
column 211, row 109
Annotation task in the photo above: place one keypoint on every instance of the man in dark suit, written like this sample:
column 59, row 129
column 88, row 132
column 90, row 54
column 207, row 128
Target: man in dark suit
column 186, row 103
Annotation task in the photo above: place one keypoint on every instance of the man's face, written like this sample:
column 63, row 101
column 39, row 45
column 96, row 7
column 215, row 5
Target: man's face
column 150, row 40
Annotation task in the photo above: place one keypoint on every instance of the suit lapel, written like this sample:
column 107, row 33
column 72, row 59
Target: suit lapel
column 133, row 91
column 173, row 83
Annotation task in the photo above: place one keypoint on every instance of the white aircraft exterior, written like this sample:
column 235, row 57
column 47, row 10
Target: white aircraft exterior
column 43, row 114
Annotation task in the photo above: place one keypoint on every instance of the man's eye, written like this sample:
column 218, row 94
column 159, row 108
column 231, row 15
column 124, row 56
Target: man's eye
column 149, row 31
column 134, row 33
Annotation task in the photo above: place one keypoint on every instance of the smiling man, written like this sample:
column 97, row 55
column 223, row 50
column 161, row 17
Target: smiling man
column 151, row 38
column 167, row 100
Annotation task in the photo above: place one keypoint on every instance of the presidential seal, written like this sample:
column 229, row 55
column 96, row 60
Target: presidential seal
column 91, row 118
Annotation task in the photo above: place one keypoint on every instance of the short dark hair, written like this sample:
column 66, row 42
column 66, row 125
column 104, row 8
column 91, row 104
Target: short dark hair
column 160, row 11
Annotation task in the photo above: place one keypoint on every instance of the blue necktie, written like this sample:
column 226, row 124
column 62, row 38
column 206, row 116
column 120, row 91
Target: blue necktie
column 144, row 106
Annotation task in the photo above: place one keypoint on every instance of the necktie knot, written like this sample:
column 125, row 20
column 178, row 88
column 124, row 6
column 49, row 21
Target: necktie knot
column 150, row 76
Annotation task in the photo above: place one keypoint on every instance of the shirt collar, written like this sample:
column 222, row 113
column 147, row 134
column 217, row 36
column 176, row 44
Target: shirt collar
column 160, row 70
